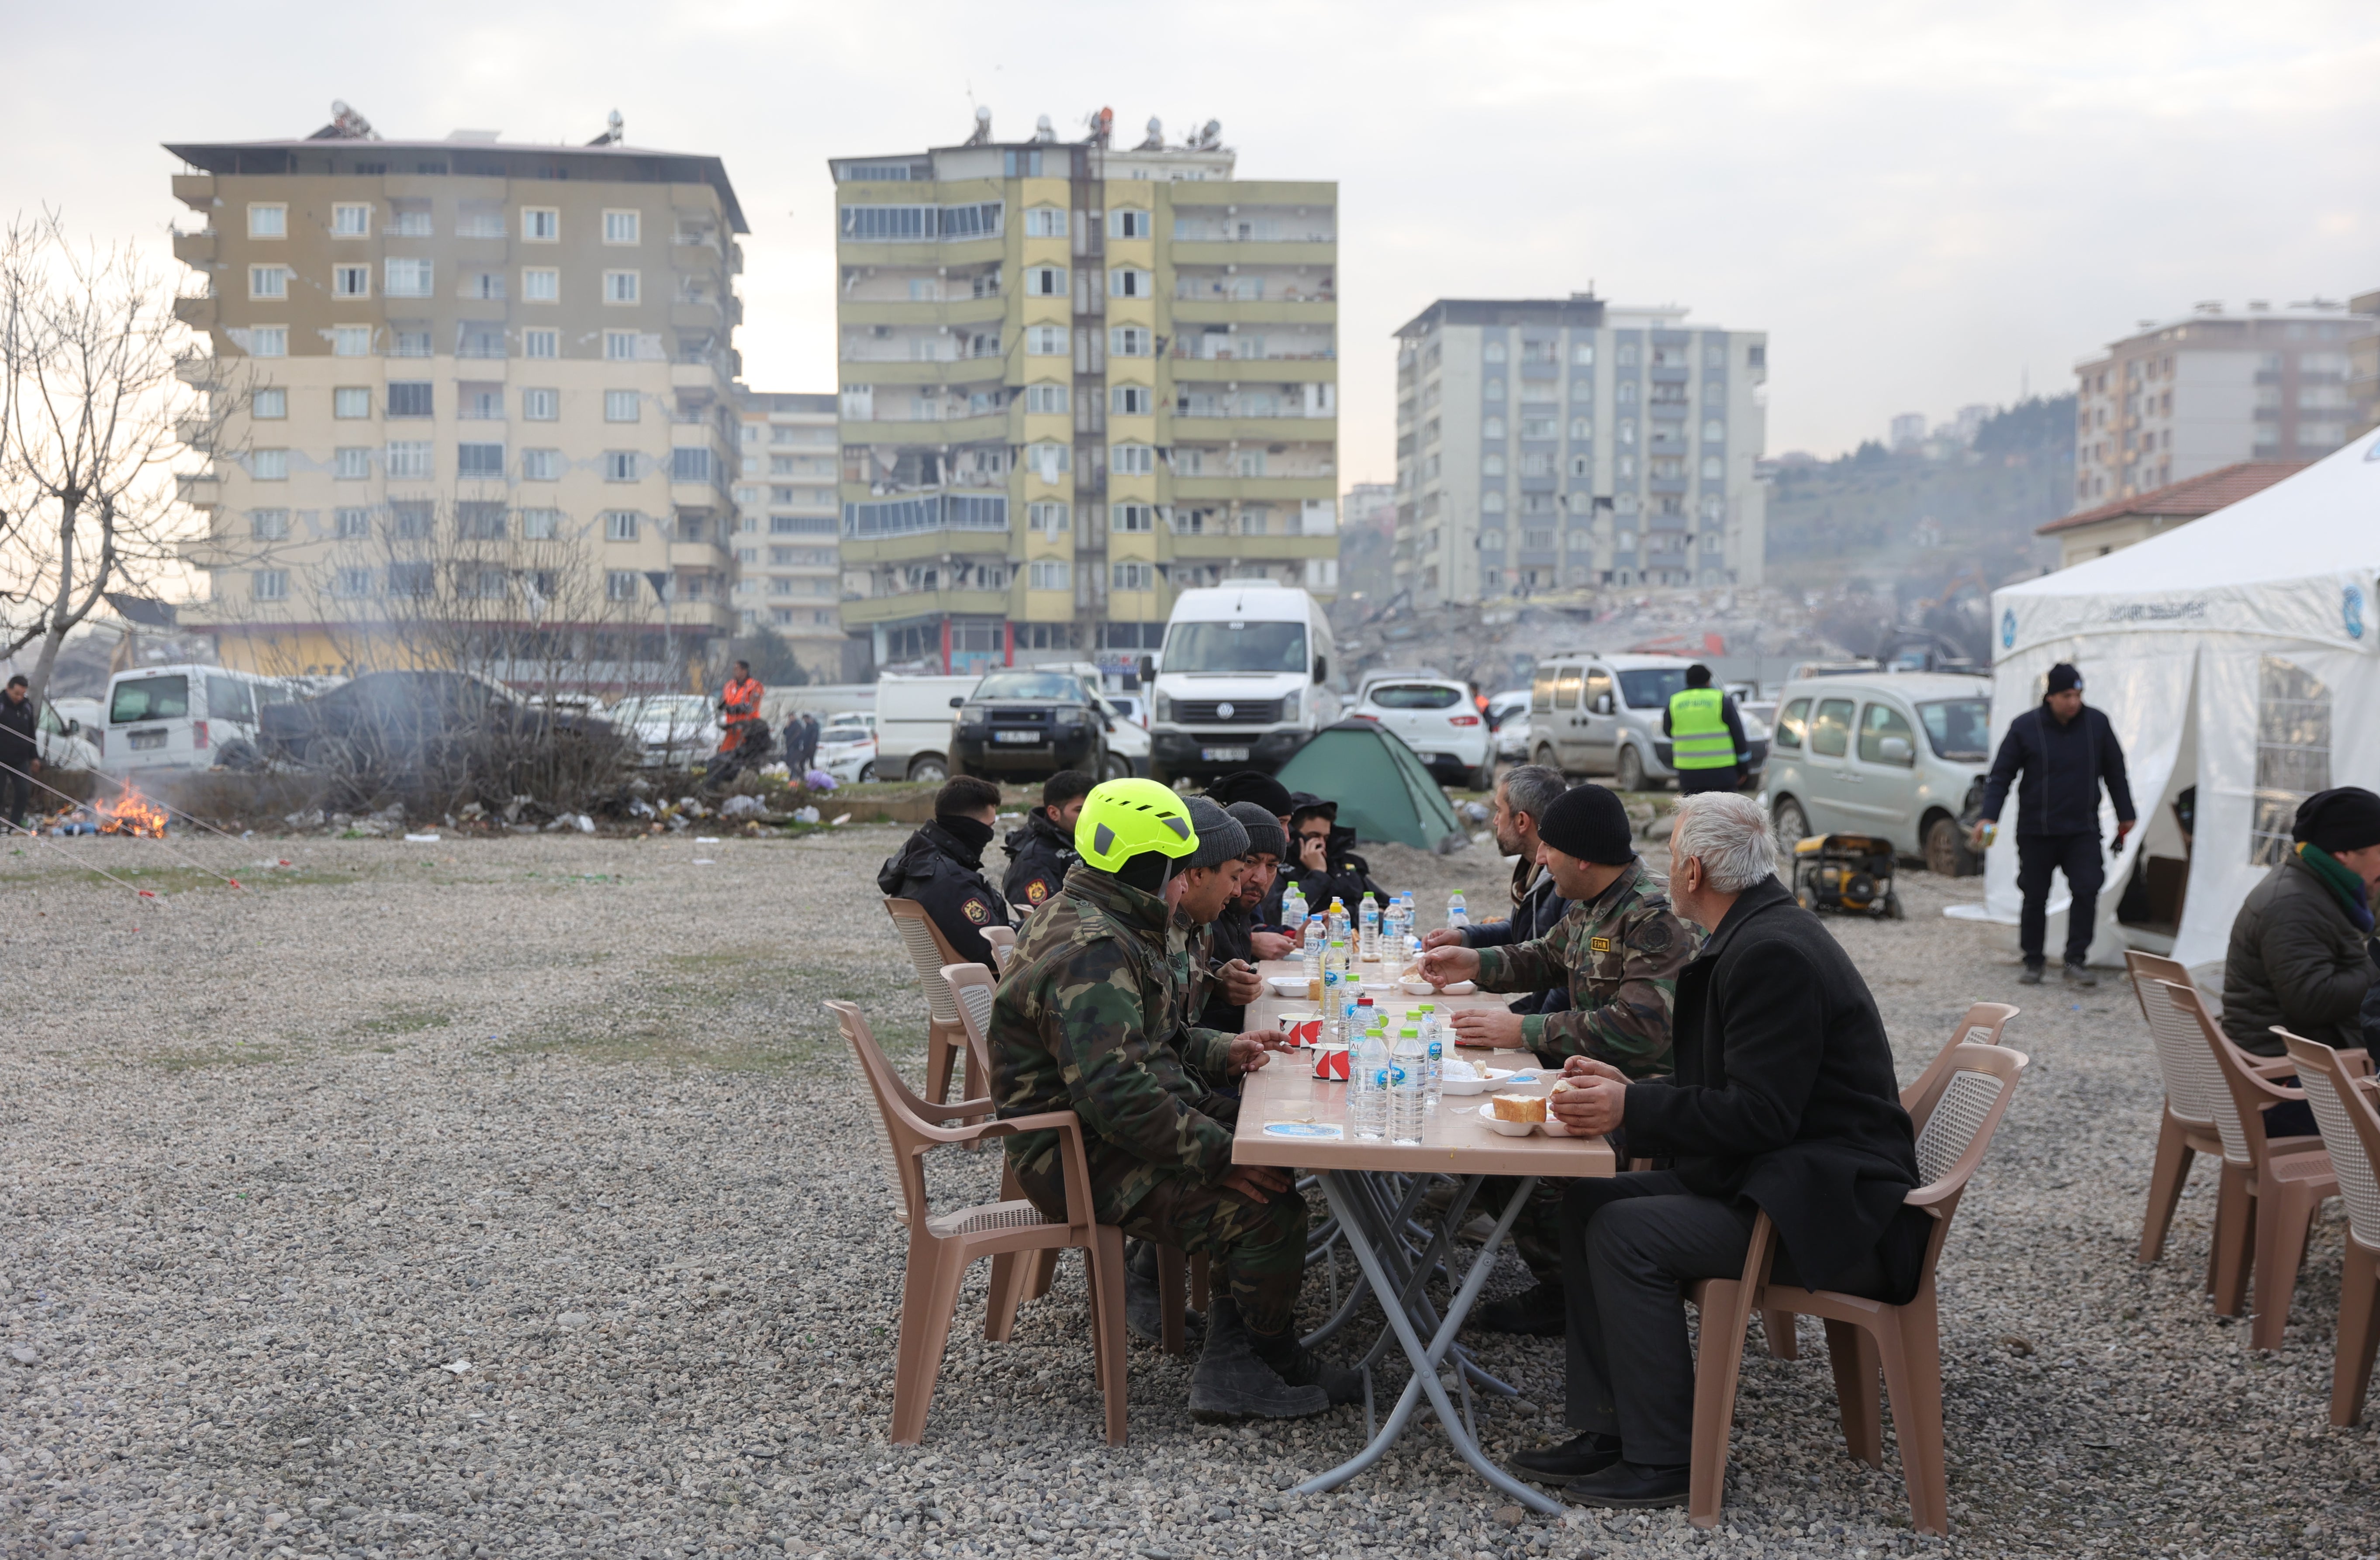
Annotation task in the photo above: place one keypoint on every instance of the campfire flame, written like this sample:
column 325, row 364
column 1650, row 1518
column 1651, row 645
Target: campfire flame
column 132, row 813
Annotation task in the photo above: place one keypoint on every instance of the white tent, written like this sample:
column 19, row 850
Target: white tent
column 2235, row 657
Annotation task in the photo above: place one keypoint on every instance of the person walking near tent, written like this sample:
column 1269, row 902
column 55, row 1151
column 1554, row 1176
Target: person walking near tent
column 2065, row 751
column 20, row 750
column 1706, row 743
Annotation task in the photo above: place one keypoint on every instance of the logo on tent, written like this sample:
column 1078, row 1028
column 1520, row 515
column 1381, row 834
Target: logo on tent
column 2007, row 629
column 2351, row 611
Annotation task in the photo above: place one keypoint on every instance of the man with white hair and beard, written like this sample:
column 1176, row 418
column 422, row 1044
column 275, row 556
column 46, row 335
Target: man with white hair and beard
column 1783, row 1102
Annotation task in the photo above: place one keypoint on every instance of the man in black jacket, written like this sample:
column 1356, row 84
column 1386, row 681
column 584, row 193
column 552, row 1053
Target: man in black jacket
column 2066, row 751
column 1523, row 794
column 1039, row 853
column 1322, row 860
column 2301, row 949
column 1783, row 1103
column 1232, row 934
column 20, row 750
column 940, row 866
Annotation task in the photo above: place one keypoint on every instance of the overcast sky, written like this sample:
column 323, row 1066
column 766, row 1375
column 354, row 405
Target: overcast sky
column 1923, row 205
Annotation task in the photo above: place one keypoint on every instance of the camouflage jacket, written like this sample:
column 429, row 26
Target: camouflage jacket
column 1620, row 954
column 1088, row 1019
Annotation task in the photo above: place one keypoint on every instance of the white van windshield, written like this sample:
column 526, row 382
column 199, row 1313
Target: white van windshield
column 1236, row 646
column 1959, row 729
column 150, row 698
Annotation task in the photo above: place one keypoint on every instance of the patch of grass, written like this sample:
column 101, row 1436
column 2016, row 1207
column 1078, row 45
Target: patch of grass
column 402, row 1020
column 236, row 1054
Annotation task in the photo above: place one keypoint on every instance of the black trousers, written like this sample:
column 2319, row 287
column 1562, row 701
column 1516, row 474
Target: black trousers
column 1694, row 782
column 16, row 792
column 2077, row 856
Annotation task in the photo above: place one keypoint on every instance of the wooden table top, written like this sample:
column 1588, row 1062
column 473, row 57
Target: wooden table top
column 1453, row 1141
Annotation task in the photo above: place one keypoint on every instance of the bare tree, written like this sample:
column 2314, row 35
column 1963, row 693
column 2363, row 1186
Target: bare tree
column 95, row 405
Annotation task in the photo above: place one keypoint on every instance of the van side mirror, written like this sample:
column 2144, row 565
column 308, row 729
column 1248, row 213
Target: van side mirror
column 1149, row 668
column 1322, row 668
column 1896, row 750
column 956, row 701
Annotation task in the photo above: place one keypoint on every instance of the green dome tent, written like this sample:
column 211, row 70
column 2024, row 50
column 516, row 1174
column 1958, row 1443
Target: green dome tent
column 1382, row 791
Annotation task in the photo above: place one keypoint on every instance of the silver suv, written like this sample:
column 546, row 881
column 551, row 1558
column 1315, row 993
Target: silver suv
column 1592, row 714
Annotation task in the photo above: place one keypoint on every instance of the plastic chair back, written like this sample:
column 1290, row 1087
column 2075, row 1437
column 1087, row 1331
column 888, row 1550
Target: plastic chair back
column 900, row 1128
column 1003, row 940
column 1983, row 1023
column 1955, row 1124
column 2350, row 1129
column 928, row 952
column 972, row 989
column 2195, row 1090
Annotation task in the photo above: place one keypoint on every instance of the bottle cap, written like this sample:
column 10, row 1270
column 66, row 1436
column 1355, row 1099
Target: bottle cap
column 1408, row 1033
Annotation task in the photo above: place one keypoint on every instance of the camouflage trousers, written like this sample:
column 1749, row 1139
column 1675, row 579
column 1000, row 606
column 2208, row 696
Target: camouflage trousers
column 1260, row 1247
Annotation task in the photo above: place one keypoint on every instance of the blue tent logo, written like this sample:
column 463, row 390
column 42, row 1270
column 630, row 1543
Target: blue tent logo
column 2351, row 611
column 2007, row 629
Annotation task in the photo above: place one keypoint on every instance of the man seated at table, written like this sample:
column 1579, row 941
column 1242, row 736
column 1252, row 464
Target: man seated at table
column 1616, row 953
column 1783, row 1103
column 1523, row 794
column 1087, row 1019
column 1039, row 853
column 1322, row 860
column 1230, row 938
column 1269, row 939
column 940, row 866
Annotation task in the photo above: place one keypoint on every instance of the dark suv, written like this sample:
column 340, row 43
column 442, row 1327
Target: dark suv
column 1029, row 723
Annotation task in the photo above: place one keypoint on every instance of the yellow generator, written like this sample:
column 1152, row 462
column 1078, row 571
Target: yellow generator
column 1846, row 875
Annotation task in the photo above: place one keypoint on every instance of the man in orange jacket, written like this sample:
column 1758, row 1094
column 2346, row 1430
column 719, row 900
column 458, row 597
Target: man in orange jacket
column 739, row 706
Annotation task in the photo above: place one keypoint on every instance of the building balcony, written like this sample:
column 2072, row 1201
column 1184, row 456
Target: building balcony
column 196, row 310
column 196, row 248
column 700, row 496
column 911, row 547
column 199, row 489
column 699, row 555
column 1322, row 310
column 991, row 425
column 698, row 314
column 923, row 251
column 921, row 313
column 1323, row 193
column 862, row 611
column 1210, row 546
column 1187, row 427
column 961, row 371
column 705, row 373
column 1252, row 371
column 1253, row 490
column 195, row 190
column 696, row 252
column 1254, row 252
column 1665, row 484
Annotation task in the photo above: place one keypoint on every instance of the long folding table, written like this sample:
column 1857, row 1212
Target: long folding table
column 1376, row 1189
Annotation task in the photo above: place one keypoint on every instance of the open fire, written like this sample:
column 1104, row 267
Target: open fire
column 132, row 813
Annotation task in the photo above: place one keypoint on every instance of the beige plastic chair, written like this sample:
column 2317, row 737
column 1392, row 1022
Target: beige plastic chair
column 1004, row 943
column 943, row 1246
column 2272, row 1187
column 973, row 989
column 1983, row 1023
column 930, row 950
column 2191, row 1087
column 2339, row 1086
column 1963, row 1105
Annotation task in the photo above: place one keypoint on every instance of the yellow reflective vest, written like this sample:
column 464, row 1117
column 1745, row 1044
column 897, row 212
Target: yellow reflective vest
column 1699, row 735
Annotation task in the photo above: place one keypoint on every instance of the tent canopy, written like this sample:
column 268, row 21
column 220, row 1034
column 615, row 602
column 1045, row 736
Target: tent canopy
column 1382, row 791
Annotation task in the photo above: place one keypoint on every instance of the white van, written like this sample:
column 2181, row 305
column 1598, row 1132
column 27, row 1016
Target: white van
column 1899, row 754
column 1243, row 680
column 913, row 725
column 185, row 717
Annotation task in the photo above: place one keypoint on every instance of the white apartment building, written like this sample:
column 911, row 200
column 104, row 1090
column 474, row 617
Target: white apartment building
column 2210, row 390
column 1565, row 444
column 788, row 573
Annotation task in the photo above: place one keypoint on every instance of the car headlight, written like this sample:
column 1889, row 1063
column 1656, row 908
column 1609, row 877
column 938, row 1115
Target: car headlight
column 1291, row 704
column 1164, row 708
column 1068, row 717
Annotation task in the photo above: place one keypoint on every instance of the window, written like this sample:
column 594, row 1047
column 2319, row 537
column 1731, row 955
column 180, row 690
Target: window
column 351, row 463
column 620, row 525
column 619, row 346
column 409, row 398
column 1491, row 464
column 1131, row 577
column 1049, row 461
column 622, row 405
column 619, row 465
column 1831, row 729
column 351, row 583
column 1045, row 222
column 1790, row 723
column 351, row 281
column 271, row 584
column 1050, row 576
column 541, row 405
column 690, row 463
column 1627, row 357
column 268, row 465
column 621, row 227
column 267, row 222
column 1714, row 468
column 1132, row 518
column 268, row 404
column 407, row 278
column 351, row 220
column 1132, row 400
column 540, row 524
column 620, row 585
column 1129, row 222
column 268, row 525
column 481, row 402
column 1129, row 282
column 540, row 465
column 1128, row 341
column 1541, row 427
column 620, row 286
column 1132, row 459
column 1493, row 390
column 541, row 284
column 979, row 219
column 1582, row 354
column 1491, row 428
column 1043, row 398
column 351, row 341
column 1045, row 281
column 412, row 344
column 412, row 579
column 1880, row 722
column 352, row 523
column 1049, row 518
column 408, row 458
column 1046, row 340
column 1247, row 463
column 479, row 460
column 888, row 224
column 1493, row 352
column 1581, row 427
column 479, row 522
column 2293, row 722
column 541, row 224
column 410, row 521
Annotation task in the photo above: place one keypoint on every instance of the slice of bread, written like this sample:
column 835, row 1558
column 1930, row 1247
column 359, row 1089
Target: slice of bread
column 1518, row 1107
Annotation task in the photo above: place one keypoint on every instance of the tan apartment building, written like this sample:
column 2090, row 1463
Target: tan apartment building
column 2112, row 528
column 1076, row 379
column 788, row 576
column 477, row 382
column 2184, row 397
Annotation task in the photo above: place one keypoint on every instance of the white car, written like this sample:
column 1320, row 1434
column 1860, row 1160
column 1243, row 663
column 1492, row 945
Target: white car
column 673, row 730
column 1128, row 745
column 1436, row 718
column 1508, row 713
column 1129, row 706
column 1899, row 754
column 846, row 748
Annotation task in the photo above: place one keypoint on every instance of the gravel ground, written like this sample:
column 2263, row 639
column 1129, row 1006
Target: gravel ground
column 515, row 1197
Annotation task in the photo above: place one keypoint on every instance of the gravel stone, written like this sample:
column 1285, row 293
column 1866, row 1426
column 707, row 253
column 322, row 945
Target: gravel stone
column 567, row 1107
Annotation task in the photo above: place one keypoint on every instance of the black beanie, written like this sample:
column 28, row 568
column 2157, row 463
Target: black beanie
column 1252, row 785
column 2064, row 676
column 1264, row 832
column 1590, row 823
column 2347, row 819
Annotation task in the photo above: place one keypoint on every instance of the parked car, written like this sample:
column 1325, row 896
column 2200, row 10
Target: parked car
column 913, row 725
column 64, row 742
column 1243, row 683
column 186, row 717
column 672, row 730
column 1896, row 754
column 396, row 723
column 1438, row 720
column 847, row 747
column 1128, row 744
column 1592, row 714
column 1129, row 706
column 1029, row 724
column 1508, row 717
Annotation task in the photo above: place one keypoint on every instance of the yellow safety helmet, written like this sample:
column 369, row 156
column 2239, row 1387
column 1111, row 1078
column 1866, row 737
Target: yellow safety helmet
column 1124, row 817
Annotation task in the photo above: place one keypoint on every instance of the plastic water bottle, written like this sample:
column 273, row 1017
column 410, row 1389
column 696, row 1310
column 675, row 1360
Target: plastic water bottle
column 1339, row 923
column 1293, row 910
column 1393, row 927
column 1407, row 1100
column 1433, row 1052
column 1334, row 979
column 1367, row 1080
column 1457, row 917
column 1371, row 933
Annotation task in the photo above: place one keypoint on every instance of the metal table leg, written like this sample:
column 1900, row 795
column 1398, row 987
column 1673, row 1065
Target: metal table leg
column 1344, row 1202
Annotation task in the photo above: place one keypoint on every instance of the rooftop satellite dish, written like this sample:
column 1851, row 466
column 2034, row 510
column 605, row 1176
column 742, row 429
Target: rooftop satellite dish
column 982, row 126
column 1043, row 131
column 1156, row 138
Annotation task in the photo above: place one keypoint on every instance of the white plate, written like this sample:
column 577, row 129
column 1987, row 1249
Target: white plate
column 1490, row 1077
column 1458, row 988
column 1287, row 985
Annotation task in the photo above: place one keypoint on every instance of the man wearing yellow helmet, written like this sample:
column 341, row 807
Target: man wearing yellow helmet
column 1090, row 1018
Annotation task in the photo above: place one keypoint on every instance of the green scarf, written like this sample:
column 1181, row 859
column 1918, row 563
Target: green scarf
column 2339, row 881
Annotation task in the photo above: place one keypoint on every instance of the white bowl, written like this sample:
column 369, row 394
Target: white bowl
column 1554, row 1129
column 1458, row 988
column 1287, row 985
column 1504, row 1129
column 1490, row 1077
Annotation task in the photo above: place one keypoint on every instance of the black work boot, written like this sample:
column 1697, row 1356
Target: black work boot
column 2080, row 975
column 1231, row 1384
column 1582, row 1455
column 1300, row 1366
column 1538, row 1311
column 1144, row 1301
column 2031, row 975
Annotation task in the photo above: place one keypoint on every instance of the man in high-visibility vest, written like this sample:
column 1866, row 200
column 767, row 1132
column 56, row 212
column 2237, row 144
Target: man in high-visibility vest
column 739, row 708
column 1706, row 744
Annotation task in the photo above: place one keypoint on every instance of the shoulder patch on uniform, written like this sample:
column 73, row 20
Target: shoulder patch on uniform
column 1036, row 891
column 1599, row 945
column 1655, row 934
column 977, row 910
